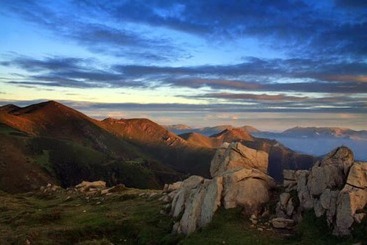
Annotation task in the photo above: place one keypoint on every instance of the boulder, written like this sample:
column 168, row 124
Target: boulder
column 357, row 176
column 239, row 180
column 284, row 198
column 331, row 171
column 282, row 223
column 86, row 185
column 237, row 156
column 192, row 211
column 172, row 187
column 212, row 201
column 350, row 200
column 199, row 206
column 247, row 188
column 304, row 195
column 182, row 194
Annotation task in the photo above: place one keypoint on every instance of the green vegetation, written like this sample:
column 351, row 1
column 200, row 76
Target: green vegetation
column 132, row 216
column 4, row 129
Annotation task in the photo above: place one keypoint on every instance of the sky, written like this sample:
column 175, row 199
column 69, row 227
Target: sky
column 266, row 63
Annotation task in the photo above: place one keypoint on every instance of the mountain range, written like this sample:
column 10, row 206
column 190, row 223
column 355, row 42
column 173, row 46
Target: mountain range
column 320, row 140
column 309, row 140
column 49, row 142
column 207, row 131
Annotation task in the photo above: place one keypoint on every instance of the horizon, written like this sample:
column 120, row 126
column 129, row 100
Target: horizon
column 273, row 65
column 79, row 108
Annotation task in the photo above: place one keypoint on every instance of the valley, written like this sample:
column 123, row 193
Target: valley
column 47, row 149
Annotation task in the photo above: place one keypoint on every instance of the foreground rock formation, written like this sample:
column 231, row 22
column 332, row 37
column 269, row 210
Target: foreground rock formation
column 239, row 179
column 335, row 187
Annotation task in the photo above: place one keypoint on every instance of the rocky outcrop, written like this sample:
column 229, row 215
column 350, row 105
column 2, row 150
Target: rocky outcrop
column 236, row 156
column 239, row 179
column 335, row 187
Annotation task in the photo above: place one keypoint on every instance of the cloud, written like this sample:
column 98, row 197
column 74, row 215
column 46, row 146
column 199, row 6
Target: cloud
column 298, row 28
column 66, row 72
column 253, row 97
column 268, row 75
column 97, row 35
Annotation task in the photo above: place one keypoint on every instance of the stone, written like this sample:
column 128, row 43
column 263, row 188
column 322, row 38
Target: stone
column 252, row 194
column 172, row 187
column 319, row 210
column 304, row 195
column 86, row 185
column 359, row 217
column 331, row 211
column 325, row 199
column 192, row 182
column 284, row 198
column 212, row 201
column 192, row 211
column 178, row 203
column 237, row 156
column 290, row 207
column 331, row 171
column 240, row 188
column 341, row 156
column 289, row 174
column 357, row 176
column 239, row 180
column 350, row 200
column 282, row 223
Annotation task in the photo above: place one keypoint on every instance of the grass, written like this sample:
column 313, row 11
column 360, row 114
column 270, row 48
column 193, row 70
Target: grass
column 132, row 216
column 4, row 129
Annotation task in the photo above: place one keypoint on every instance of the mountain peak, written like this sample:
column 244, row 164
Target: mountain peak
column 233, row 134
column 9, row 108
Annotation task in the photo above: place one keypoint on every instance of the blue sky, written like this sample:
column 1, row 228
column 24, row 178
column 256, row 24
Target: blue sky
column 270, row 64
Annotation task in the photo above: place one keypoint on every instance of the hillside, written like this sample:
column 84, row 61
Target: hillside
column 133, row 216
column 58, row 144
column 170, row 149
column 200, row 140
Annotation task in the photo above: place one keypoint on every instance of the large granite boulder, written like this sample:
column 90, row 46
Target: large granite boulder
column 239, row 180
column 236, row 156
column 248, row 188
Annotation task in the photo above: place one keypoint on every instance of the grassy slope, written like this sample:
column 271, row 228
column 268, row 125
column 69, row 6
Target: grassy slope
column 130, row 216
column 27, row 162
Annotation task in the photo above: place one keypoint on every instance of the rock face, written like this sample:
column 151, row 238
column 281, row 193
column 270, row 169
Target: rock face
column 335, row 187
column 236, row 156
column 239, row 179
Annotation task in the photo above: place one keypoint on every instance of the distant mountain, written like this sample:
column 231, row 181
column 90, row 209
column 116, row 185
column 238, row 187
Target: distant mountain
column 227, row 135
column 318, row 132
column 207, row 131
column 177, row 128
column 234, row 134
column 320, row 140
column 200, row 140
column 322, row 132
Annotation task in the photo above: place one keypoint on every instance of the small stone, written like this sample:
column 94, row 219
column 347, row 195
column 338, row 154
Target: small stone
column 282, row 223
column 359, row 217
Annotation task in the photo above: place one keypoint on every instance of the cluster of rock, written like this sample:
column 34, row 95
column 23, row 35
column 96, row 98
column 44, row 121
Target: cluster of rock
column 239, row 179
column 335, row 187
column 85, row 187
